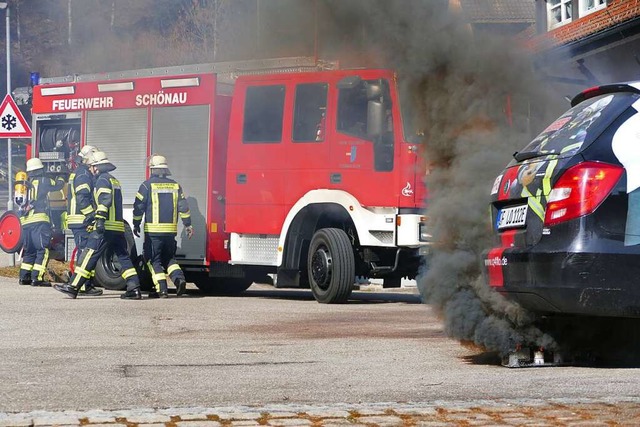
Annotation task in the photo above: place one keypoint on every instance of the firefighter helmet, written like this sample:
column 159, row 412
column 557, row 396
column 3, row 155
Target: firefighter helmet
column 98, row 158
column 158, row 165
column 34, row 164
column 85, row 153
column 158, row 162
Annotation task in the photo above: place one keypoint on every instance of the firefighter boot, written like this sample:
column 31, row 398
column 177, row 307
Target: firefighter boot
column 132, row 294
column 67, row 289
column 163, row 289
column 25, row 281
column 42, row 283
column 153, row 294
column 181, row 286
column 91, row 291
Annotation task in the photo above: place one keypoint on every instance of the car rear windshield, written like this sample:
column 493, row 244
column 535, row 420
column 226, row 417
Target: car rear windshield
column 580, row 126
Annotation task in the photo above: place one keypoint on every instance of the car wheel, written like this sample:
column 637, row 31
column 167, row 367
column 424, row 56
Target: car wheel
column 331, row 266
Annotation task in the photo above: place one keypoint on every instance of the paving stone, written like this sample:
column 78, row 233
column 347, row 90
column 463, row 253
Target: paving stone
column 237, row 415
column 244, row 423
column 100, row 419
column 16, row 421
column 327, row 413
column 151, row 418
column 342, row 423
column 589, row 423
column 197, row 424
column 289, row 422
column 56, row 419
column 193, row 417
column 423, row 423
column 421, row 411
column 382, row 420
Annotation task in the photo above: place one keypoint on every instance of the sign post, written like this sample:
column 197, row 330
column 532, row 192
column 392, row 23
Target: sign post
column 12, row 125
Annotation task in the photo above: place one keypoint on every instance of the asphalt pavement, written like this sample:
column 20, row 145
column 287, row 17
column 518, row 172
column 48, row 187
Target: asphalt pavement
column 275, row 357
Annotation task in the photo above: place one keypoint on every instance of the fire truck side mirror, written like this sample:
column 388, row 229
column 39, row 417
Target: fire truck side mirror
column 375, row 119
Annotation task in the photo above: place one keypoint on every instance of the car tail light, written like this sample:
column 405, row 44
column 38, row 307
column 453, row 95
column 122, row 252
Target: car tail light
column 580, row 190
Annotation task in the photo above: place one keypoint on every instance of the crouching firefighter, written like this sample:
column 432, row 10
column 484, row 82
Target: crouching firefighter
column 37, row 224
column 81, row 210
column 108, row 230
column 160, row 199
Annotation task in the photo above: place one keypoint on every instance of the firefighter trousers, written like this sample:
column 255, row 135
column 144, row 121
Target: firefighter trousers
column 81, row 239
column 159, row 253
column 96, row 245
column 35, row 251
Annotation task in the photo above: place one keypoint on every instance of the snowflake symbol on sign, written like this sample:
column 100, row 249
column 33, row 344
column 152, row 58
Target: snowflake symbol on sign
column 9, row 122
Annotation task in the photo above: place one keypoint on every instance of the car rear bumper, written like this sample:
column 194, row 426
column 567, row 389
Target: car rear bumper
column 584, row 283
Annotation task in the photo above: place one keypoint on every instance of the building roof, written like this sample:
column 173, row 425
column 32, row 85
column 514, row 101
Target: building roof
column 499, row 11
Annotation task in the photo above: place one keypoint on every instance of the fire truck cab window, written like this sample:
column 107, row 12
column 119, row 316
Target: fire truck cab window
column 309, row 112
column 354, row 115
column 263, row 113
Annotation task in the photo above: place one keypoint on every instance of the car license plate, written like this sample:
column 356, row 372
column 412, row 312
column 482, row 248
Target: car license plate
column 511, row 217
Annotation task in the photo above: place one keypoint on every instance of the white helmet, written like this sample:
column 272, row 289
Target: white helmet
column 158, row 162
column 34, row 164
column 98, row 158
column 85, row 152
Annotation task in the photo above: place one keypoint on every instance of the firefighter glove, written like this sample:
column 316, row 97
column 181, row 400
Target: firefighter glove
column 100, row 225
column 136, row 230
column 189, row 231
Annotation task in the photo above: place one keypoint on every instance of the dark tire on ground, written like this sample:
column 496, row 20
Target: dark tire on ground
column 331, row 266
column 221, row 285
column 108, row 269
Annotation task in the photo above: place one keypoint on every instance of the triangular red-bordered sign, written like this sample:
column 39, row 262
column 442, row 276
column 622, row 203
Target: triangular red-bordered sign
column 12, row 122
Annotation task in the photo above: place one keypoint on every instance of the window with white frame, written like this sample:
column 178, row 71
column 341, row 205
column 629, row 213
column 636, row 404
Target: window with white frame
column 588, row 6
column 560, row 12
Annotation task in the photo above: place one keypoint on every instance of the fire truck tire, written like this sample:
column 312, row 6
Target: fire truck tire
column 108, row 270
column 222, row 286
column 331, row 266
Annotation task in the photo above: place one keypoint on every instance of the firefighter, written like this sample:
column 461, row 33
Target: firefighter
column 108, row 230
column 37, row 224
column 160, row 199
column 81, row 210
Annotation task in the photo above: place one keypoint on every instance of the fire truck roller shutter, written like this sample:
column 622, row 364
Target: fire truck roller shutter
column 122, row 134
column 181, row 134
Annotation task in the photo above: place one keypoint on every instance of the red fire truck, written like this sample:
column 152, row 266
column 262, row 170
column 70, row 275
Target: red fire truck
column 291, row 166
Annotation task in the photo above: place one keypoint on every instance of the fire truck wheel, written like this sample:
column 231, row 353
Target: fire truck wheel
column 331, row 266
column 108, row 269
column 222, row 286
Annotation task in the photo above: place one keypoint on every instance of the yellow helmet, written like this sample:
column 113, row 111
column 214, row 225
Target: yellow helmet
column 34, row 164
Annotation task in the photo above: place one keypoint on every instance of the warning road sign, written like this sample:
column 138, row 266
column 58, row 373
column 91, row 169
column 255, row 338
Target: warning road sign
column 12, row 122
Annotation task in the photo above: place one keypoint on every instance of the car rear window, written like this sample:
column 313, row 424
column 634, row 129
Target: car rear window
column 581, row 125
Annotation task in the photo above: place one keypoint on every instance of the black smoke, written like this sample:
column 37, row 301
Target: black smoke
column 475, row 95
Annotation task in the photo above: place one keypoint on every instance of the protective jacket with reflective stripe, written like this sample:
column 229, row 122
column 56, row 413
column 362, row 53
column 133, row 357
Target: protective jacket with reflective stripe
column 108, row 198
column 39, row 189
column 81, row 205
column 161, row 200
